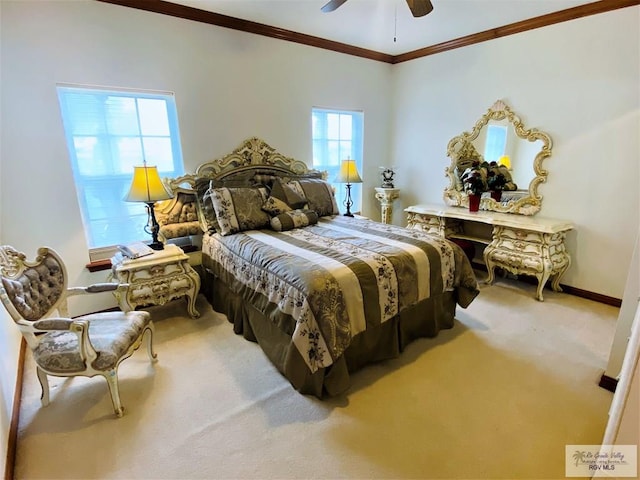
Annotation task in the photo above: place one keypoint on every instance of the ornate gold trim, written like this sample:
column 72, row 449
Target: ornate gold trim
column 526, row 205
column 252, row 154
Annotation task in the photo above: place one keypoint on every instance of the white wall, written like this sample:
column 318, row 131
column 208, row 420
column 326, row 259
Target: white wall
column 9, row 348
column 229, row 86
column 628, row 309
column 624, row 414
column 578, row 81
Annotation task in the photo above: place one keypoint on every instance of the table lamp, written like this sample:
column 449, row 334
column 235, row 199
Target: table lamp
column 147, row 187
column 348, row 174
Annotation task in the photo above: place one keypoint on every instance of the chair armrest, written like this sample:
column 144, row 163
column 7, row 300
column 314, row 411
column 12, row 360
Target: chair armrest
column 95, row 288
column 52, row 324
column 87, row 352
column 120, row 290
column 79, row 327
column 102, row 287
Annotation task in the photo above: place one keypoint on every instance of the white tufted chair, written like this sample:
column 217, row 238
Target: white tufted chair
column 35, row 295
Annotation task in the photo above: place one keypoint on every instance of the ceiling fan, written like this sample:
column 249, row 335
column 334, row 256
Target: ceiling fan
column 418, row 8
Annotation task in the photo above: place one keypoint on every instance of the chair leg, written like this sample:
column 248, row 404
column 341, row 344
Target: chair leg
column 44, row 384
column 153, row 356
column 112, row 381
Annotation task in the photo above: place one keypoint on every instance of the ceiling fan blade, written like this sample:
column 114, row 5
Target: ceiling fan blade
column 419, row 8
column 332, row 5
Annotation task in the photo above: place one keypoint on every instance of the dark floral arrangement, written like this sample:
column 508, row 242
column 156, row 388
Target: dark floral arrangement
column 473, row 183
column 496, row 181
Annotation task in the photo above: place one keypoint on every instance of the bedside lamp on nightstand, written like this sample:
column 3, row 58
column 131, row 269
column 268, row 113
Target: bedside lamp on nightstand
column 348, row 174
column 147, row 187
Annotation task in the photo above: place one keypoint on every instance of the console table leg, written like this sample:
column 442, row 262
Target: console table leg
column 542, row 280
column 555, row 283
column 490, row 269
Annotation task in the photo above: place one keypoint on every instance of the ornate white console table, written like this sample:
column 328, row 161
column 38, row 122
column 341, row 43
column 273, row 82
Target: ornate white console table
column 386, row 196
column 519, row 244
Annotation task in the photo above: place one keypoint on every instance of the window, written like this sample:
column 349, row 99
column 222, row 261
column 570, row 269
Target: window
column 496, row 143
column 338, row 135
column 108, row 132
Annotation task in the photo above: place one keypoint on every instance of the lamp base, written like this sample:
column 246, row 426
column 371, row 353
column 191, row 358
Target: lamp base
column 348, row 202
column 156, row 245
column 153, row 228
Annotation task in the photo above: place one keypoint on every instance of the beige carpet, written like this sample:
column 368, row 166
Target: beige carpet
column 498, row 396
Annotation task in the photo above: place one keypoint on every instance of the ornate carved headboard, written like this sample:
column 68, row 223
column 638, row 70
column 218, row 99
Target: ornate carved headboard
column 253, row 162
column 253, row 156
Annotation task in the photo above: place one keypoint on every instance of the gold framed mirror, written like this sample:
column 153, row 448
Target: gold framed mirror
column 501, row 140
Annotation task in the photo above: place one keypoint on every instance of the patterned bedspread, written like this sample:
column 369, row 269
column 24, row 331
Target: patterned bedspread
column 338, row 277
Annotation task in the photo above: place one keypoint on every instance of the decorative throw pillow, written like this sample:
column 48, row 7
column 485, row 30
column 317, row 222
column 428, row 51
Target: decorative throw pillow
column 206, row 213
column 288, row 192
column 264, row 178
column 204, row 187
column 319, row 194
column 294, row 219
column 274, row 206
column 239, row 208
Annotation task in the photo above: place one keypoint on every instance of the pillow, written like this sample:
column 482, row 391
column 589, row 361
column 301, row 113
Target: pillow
column 204, row 186
column 274, row 206
column 239, row 208
column 206, row 213
column 264, row 179
column 288, row 192
column 319, row 194
column 293, row 219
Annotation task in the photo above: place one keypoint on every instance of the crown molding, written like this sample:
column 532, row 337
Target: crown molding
column 190, row 13
column 560, row 16
column 203, row 16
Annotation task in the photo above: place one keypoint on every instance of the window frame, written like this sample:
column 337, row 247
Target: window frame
column 117, row 179
column 495, row 142
column 320, row 148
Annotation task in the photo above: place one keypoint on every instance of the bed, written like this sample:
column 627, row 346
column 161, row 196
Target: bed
column 321, row 293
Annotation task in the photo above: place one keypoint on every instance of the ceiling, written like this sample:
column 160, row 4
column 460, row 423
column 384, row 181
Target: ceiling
column 385, row 26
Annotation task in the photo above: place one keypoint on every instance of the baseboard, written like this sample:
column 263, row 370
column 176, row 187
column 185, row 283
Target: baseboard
column 578, row 292
column 12, row 443
column 596, row 297
column 608, row 383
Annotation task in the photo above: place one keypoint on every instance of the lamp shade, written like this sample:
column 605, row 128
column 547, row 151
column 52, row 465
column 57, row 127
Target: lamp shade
column 146, row 186
column 348, row 172
column 505, row 160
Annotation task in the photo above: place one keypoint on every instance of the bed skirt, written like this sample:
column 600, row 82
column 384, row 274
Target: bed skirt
column 386, row 341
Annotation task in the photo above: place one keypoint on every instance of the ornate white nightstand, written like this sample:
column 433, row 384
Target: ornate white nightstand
column 386, row 196
column 157, row 278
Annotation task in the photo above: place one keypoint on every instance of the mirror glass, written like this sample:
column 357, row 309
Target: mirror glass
column 499, row 144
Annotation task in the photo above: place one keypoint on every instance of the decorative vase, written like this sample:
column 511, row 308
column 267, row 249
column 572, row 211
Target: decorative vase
column 474, row 202
column 496, row 195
